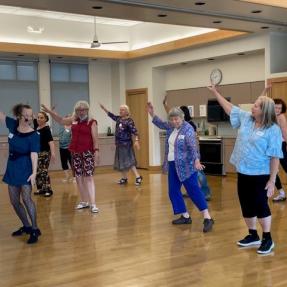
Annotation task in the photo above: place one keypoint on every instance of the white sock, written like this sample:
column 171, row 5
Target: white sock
column 185, row 215
column 282, row 192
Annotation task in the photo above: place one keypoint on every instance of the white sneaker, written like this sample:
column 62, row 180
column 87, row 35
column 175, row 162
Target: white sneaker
column 82, row 205
column 280, row 197
column 94, row 209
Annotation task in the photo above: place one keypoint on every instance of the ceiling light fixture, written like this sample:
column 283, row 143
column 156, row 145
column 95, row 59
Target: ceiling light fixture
column 264, row 27
column 34, row 30
column 161, row 15
column 199, row 3
column 241, row 54
column 217, row 22
column 256, row 11
column 97, row 7
column 210, row 59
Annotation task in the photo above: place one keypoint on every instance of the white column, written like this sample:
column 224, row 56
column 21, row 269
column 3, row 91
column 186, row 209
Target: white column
column 44, row 81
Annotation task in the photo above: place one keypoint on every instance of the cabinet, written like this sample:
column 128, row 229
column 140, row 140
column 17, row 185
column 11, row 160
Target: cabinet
column 228, row 145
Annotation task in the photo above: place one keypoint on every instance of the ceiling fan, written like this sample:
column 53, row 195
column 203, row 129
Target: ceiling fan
column 96, row 43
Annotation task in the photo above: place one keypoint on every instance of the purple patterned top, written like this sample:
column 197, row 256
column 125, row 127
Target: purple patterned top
column 125, row 128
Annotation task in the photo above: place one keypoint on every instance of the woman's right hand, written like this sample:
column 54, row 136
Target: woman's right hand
column 45, row 109
column 32, row 179
column 150, row 109
column 212, row 88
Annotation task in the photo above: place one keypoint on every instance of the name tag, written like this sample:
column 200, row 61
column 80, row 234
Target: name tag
column 181, row 137
column 10, row 136
column 67, row 130
column 260, row 133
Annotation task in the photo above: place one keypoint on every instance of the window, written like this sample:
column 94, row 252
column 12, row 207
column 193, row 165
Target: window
column 69, row 84
column 19, row 84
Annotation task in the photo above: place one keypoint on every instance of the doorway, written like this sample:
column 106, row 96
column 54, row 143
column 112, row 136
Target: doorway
column 137, row 100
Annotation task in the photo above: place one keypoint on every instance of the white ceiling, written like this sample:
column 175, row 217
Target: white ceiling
column 62, row 28
column 23, row 25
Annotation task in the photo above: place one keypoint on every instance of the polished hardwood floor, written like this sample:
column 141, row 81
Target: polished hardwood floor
column 132, row 243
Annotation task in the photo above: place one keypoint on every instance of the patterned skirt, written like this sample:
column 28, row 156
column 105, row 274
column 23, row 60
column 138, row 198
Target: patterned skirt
column 124, row 157
column 83, row 163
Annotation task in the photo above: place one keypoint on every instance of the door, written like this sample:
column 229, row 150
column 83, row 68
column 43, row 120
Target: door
column 279, row 90
column 137, row 100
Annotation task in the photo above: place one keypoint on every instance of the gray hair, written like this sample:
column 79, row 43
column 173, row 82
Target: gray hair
column 175, row 112
column 126, row 107
column 80, row 104
column 267, row 106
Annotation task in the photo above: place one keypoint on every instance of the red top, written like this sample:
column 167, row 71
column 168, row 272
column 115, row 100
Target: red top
column 82, row 139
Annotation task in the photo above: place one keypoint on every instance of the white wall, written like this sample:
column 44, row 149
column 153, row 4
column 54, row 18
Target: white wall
column 278, row 48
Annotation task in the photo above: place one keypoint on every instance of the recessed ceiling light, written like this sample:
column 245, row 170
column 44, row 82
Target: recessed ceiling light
column 183, row 63
column 59, row 57
column 241, row 54
column 256, row 11
column 264, row 27
column 199, row 3
column 210, row 59
column 217, row 22
column 97, row 7
column 20, row 55
column 161, row 15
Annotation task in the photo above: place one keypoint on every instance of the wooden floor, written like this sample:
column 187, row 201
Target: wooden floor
column 132, row 243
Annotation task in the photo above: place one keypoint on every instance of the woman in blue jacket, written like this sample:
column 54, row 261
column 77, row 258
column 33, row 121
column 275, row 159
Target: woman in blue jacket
column 182, row 163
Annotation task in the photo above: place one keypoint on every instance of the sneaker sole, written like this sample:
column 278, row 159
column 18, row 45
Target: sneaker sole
column 249, row 244
column 79, row 208
column 279, row 200
column 267, row 251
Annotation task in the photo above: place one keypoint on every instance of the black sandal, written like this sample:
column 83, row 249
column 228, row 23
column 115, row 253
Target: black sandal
column 123, row 181
column 139, row 180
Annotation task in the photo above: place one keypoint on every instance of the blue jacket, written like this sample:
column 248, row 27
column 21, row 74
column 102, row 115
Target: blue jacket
column 185, row 148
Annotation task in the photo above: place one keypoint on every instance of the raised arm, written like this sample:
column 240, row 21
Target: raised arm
column 2, row 117
column 227, row 106
column 111, row 115
column 155, row 119
column 104, row 109
column 266, row 90
column 56, row 117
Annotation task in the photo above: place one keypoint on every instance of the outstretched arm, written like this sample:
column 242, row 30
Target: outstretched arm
column 111, row 115
column 104, row 109
column 56, row 117
column 155, row 119
column 227, row 106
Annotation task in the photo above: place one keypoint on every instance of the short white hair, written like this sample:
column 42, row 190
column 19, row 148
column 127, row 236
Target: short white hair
column 79, row 104
column 175, row 112
column 126, row 107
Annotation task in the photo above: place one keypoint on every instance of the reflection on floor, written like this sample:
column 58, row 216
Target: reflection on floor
column 132, row 243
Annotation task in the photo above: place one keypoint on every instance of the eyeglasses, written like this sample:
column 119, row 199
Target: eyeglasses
column 81, row 110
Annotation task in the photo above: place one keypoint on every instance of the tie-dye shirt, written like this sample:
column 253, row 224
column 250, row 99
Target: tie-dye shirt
column 254, row 147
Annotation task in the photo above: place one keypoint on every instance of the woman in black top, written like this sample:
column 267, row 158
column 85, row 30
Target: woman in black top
column 47, row 153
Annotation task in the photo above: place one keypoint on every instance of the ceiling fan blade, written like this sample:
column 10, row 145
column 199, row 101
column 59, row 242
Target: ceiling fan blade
column 120, row 42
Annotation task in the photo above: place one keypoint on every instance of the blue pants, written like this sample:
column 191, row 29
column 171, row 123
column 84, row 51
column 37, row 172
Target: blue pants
column 203, row 184
column 191, row 186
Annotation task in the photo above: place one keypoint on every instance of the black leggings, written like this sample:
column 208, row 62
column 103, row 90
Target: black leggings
column 24, row 192
column 253, row 196
column 65, row 156
column 283, row 162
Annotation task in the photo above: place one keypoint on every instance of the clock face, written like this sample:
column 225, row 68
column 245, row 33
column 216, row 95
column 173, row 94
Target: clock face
column 216, row 77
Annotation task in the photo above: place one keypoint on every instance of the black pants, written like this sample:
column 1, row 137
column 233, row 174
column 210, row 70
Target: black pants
column 283, row 162
column 65, row 156
column 253, row 196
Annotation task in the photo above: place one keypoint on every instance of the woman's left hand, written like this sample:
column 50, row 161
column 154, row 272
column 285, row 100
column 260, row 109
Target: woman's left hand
column 97, row 157
column 32, row 179
column 53, row 158
column 270, row 188
column 198, row 165
column 137, row 145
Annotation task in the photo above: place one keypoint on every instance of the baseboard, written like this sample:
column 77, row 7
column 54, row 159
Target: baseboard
column 155, row 168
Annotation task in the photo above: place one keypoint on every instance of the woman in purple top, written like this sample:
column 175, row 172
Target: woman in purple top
column 124, row 156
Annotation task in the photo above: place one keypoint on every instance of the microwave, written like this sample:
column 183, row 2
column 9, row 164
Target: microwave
column 215, row 112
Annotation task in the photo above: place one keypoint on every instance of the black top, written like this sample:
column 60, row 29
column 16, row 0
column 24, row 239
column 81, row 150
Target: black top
column 45, row 137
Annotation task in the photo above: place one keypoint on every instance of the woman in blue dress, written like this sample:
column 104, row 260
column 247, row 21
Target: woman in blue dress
column 24, row 144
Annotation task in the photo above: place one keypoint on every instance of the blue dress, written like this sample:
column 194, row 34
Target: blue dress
column 19, row 165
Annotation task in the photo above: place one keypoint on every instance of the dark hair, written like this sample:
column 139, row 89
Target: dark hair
column 18, row 109
column 45, row 115
column 280, row 102
column 185, row 110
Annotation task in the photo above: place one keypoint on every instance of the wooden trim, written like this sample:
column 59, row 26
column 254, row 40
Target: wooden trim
column 185, row 43
column 107, row 54
column 136, row 91
column 276, row 80
column 61, row 51
column 155, row 168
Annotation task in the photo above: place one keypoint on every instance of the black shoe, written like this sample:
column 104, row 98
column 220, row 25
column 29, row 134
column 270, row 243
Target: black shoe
column 207, row 197
column 182, row 220
column 185, row 195
column 123, row 181
column 22, row 230
column 266, row 246
column 35, row 233
column 139, row 180
column 48, row 193
column 207, row 224
column 249, row 240
column 39, row 192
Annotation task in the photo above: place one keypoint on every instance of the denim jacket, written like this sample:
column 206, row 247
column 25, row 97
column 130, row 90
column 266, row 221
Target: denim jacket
column 185, row 148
